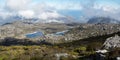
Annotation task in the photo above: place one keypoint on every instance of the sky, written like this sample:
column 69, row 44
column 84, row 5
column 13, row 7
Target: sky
column 80, row 10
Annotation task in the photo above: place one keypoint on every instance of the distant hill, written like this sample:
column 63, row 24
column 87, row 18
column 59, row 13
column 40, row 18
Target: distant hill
column 89, row 30
column 105, row 20
column 47, row 17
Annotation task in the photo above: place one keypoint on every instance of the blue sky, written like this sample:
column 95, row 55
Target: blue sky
column 63, row 3
column 72, row 2
column 72, row 8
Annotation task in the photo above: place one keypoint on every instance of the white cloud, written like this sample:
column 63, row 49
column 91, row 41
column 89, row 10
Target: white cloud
column 4, row 15
column 28, row 9
column 17, row 4
column 66, row 6
column 47, row 15
column 39, row 7
column 27, row 13
column 100, row 9
column 46, row 10
column 106, row 7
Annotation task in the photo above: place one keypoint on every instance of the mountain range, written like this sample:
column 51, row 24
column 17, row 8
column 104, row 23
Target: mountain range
column 106, row 20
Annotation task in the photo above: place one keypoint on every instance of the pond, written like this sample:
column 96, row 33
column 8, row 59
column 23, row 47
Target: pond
column 61, row 33
column 35, row 35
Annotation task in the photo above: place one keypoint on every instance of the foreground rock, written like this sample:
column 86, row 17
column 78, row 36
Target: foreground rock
column 112, row 42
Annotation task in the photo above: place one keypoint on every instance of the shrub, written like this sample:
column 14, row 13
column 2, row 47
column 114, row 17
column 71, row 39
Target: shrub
column 80, row 49
column 94, row 46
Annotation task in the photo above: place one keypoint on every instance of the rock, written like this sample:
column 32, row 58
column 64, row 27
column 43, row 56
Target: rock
column 112, row 42
column 58, row 55
column 102, row 51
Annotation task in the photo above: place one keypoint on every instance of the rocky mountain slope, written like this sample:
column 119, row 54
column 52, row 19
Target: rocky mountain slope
column 54, row 32
column 89, row 30
column 105, row 20
column 19, row 29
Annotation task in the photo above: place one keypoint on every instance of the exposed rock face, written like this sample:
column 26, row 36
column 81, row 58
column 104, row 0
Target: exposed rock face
column 112, row 42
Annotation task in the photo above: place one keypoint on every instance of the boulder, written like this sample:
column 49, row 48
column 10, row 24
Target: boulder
column 112, row 42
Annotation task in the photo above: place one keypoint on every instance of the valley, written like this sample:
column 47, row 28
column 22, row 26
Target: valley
column 59, row 29
column 71, row 41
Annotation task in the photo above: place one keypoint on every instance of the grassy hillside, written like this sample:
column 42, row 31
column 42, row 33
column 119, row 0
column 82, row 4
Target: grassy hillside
column 75, row 49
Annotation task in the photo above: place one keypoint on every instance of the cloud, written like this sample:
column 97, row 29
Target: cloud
column 49, row 15
column 17, row 4
column 28, row 9
column 101, row 9
column 27, row 13
column 107, row 7
column 67, row 6
column 45, row 9
column 4, row 15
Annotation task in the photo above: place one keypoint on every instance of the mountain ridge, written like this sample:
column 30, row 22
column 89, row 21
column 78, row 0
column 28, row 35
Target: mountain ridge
column 106, row 20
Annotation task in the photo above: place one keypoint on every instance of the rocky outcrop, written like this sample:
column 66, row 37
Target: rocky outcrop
column 112, row 42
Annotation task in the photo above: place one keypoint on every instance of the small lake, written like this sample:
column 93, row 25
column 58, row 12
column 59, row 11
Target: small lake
column 34, row 35
column 61, row 33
